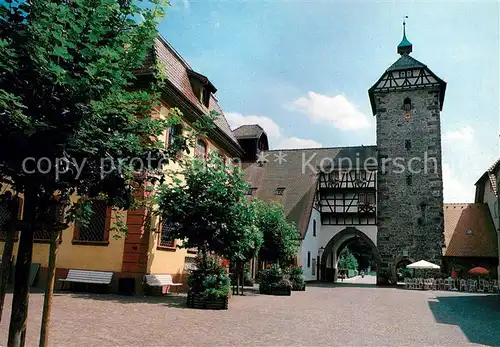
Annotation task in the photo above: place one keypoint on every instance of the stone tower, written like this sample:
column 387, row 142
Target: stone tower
column 406, row 102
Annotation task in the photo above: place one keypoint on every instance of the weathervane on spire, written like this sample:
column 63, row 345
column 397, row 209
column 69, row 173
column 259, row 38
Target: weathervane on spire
column 405, row 46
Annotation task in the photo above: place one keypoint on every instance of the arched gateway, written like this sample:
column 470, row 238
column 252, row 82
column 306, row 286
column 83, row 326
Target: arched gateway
column 329, row 257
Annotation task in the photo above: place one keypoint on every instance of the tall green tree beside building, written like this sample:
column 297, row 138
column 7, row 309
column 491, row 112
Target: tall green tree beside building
column 281, row 238
column 69, row 102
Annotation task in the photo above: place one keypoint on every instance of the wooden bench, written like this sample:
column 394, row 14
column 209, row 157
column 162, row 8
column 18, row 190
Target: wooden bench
column 161, row 281
column 86, row 276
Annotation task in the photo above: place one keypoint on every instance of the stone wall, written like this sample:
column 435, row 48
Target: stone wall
column 410, row 203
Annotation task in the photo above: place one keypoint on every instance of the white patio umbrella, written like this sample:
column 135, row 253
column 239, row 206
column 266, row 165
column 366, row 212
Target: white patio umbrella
column 423, row 264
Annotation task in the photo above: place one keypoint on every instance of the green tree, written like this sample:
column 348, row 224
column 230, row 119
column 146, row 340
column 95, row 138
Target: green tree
column 69, row 100
column 281, row 238
column 347, row 261
column 207, row 208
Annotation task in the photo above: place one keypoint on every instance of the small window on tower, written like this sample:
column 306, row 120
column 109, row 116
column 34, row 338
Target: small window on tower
column 407, row 104
column 408, row 144
column 408, row 180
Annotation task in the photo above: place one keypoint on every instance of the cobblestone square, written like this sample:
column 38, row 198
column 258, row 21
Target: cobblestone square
column 347, row 314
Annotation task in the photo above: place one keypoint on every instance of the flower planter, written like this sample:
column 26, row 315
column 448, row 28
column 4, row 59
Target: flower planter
column 276, row 291
column 302, row 289
column 281, row 291
column 195, row 300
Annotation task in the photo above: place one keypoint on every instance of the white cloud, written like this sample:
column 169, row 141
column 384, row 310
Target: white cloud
column 463, row 135
column 186, row 4
column 459, row 146
column 276, row 135
column 335, row 110
column 236, row 119
column 295, row 142
column 455, row 189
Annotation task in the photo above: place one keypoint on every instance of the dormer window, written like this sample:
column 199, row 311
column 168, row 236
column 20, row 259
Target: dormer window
column 205, row 97
column 279, row 191
column 202, row 87
column 251, row 191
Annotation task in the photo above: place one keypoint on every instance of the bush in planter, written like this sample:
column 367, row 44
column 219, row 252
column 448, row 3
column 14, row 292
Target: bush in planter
column 269, row 278
column 296, row 276
column 285, row 284
column 210, row 279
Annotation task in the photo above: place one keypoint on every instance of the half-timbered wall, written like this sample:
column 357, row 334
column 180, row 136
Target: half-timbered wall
column 405, row 79
column 347, row 197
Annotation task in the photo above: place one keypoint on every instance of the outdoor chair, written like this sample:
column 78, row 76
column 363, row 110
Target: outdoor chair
column 463, row 285
column 447, row 284
column 482, row 285
column 486, row 285
column 419, row 283
column 439, row 284
column 472, row 286
column 411, row 283
column 494, row 286
column 429, row 283
column 407, row 283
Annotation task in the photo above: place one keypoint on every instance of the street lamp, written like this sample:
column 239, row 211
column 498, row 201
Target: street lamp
column 320, row 251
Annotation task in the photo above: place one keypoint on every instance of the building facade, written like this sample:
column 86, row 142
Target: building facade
column 487, row 193
column 360, row 192
column 147, row 247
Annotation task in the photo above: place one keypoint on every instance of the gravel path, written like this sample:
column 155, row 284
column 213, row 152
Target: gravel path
column 348, row 314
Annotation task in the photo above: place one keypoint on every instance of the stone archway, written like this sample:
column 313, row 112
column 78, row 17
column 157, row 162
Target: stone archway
column 328, row 272
column 400, row 262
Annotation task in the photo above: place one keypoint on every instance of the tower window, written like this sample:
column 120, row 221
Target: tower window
column 408, row 180
column 308, row 259
column 314, row 227
column 407, row 104
column 423, row 212
column 408, row 144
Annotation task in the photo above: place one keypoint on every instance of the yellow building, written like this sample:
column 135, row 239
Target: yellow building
column 146, row 249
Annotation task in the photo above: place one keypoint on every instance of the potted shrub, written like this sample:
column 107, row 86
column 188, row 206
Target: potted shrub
column 297, row 278
column 209, row 284
column 273, row 283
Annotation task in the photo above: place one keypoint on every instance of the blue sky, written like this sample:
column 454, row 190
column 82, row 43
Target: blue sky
column 302, row 70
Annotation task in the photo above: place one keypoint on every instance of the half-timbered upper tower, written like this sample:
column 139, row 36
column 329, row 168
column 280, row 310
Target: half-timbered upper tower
column 407, row 101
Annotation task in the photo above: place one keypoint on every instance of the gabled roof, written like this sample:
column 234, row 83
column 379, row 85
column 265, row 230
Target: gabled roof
column 297, row 172
column 406, row 62
column 469, row 231
column 178, row 72
column 491, row 175
column 248, row 131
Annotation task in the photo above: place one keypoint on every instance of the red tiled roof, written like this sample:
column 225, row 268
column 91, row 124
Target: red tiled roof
column 469, row 231
column 293, row 174
column 176, row 69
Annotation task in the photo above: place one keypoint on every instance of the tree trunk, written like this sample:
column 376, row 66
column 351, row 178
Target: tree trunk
column 49, row 289
column 6, row 264
column 20, row 301
column 237, row 270
column 242, row 274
